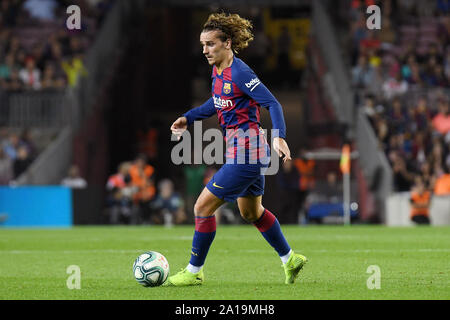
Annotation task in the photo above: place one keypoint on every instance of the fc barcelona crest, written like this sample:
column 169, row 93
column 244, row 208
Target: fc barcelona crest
column 227, row 88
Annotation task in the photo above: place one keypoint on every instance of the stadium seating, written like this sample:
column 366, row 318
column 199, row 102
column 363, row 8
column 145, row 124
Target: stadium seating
column 39, row 109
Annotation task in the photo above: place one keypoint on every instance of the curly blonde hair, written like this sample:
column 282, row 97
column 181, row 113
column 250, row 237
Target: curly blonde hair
column 233, row 27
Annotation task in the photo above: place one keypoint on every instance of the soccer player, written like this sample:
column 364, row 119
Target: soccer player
column 237, row 95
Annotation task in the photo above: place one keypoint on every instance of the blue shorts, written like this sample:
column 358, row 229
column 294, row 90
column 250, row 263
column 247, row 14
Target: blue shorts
column 237, row 180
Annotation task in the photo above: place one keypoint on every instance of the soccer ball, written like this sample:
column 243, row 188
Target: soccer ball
column 151, row 269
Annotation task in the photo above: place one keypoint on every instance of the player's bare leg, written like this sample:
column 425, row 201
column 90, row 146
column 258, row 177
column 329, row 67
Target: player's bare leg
column 205, row 231
column 206, row 204
column 251, row 209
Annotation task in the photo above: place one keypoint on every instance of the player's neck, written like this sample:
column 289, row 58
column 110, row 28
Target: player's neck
column 225, row 63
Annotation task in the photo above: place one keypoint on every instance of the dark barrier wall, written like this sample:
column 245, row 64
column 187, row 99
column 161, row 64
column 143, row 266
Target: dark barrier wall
column 49, row 206
column 88, row 205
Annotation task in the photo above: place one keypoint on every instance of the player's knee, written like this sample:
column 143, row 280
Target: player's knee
column 201, row 209
column 249, row 216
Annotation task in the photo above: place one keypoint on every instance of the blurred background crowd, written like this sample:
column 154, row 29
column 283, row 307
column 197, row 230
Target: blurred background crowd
column 402, row 74
column 38, row 53
column 399, row 76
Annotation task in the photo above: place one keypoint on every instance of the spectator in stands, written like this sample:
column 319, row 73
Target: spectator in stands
column 169, row 204
column 420, row 202
column 433, row 74
column 422, row 114
column 142, row 178
column 74, row 179
column 395, row 86
column 7, row 66
column 13, row 83
column 329, row 191
column 6, row 168
column 74, row 68
column 382, row 131
column 26, row 140
column 21, row 162
column 403, row 176
column 50, row 81
column 441, row 122
column 437, row 155
column 426, row 175
column 363, row 73
column 120, row 196
column 419, row 149
column 396, row 116
column 38, row 54
column 11, row 145
column 30, row 75
column 54, row 51
column 409, row 62
column 416, row 77
column 120, row 179
column 371, row 109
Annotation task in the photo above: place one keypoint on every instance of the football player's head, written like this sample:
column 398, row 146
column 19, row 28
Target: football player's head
column 223, row 34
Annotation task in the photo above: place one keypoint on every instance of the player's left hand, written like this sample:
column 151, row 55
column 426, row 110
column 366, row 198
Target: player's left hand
column 281, row 147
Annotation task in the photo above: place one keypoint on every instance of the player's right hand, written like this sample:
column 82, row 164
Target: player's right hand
column 179, row 126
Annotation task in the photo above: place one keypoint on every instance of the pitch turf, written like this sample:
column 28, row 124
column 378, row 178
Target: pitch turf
column 414, row 263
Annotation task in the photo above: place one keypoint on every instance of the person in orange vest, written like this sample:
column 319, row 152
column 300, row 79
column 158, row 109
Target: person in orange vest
column 442, row 184
column 420, row 202
column 142, row 178
column 305, row 168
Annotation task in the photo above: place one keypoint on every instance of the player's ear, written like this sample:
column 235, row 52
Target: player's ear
column 228, row 43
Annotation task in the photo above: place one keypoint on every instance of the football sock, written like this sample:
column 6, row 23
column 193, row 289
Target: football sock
column 193, row 269
column 205, row 231
column 285, row 258
column 270, row 228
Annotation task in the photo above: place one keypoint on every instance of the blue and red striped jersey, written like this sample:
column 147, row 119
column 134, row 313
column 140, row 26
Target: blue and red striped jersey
column 237, row 96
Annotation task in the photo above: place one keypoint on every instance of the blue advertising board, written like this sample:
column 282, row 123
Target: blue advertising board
column 36, row 206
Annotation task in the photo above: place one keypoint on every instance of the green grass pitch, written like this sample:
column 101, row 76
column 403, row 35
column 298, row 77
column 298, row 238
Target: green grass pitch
column 414, row 263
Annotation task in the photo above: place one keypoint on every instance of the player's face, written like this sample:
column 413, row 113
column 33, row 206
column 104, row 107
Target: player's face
column 214, row 49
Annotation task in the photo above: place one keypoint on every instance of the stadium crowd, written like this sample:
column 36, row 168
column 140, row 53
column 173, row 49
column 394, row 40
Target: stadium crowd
column 401, row 74
column 38, row 53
